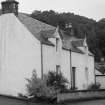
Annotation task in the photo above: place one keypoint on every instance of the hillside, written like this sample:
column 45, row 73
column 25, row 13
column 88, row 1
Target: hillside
column 95, row 31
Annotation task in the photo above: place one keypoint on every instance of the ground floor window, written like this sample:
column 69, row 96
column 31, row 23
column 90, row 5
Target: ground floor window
column 58, row 69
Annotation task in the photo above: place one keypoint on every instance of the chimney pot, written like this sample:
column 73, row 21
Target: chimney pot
column 10, row 6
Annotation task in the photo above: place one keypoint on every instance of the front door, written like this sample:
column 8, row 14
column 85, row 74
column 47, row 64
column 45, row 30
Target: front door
column 73, row 77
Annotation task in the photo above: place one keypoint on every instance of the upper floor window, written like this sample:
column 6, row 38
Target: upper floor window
column 57, row 43
column 86, row 73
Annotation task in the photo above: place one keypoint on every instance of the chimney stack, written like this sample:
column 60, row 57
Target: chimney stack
column 69, row 29
column 10, row 6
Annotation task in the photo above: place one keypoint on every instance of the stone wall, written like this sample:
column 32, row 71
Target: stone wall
column 71, row 96
column 81, row 95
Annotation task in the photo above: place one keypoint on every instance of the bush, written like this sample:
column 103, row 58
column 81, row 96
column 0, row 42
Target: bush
column 38, row 87
column 94, row 86
column 51, row 84
column 58, row 81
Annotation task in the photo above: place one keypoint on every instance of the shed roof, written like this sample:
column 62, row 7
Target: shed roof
column 100, row 67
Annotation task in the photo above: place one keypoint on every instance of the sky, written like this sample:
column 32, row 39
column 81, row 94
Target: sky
column 94, row 9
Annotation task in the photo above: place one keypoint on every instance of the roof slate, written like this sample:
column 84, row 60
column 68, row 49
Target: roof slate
column 78, row 43
column 100, row 67
column 48, row 33
column 43, row 31
column 35, row 27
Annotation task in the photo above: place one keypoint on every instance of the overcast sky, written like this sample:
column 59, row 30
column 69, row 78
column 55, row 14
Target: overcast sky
column 90, row 8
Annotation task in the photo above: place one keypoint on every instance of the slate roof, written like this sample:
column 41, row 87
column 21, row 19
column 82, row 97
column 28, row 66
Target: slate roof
column 43, row 31
column 35, row 27
column 67, row 42
column 78, row 42
column 100, row 67
column 47, row 33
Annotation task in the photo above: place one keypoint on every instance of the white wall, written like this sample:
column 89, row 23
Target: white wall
column 81, row 61
column 91, row 70
column 65, row 66
column 19, row 55
column 78, row 62
column 62, row 57
column 51, row 58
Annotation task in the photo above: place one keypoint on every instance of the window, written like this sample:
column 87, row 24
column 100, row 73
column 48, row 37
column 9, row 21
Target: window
column 58, row 69
column 57, row 42
column 86, row 73
column 73, row 77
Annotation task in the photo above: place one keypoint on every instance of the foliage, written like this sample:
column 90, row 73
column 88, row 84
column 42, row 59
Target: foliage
column 94, row 86
column 20, row 95
column 95, row 31
column 38, row 87
column 49, row 86
column 56, row 80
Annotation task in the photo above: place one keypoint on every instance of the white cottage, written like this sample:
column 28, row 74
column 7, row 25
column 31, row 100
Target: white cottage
column 27, row 44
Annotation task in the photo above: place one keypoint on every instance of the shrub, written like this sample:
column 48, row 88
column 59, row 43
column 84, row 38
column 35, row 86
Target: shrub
column 94, row 86
column 56, row 80
column 38, row 87
column 51, row 84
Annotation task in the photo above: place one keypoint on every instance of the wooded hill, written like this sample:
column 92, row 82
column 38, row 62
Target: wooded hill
column 95, row 31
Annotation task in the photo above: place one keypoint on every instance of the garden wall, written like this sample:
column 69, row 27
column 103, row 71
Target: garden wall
column 81, row 95
column 71, row 96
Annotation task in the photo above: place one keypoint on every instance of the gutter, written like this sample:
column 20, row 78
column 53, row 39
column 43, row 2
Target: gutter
column 70, row 68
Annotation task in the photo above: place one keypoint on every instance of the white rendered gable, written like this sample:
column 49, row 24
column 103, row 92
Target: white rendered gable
column 19, row 55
